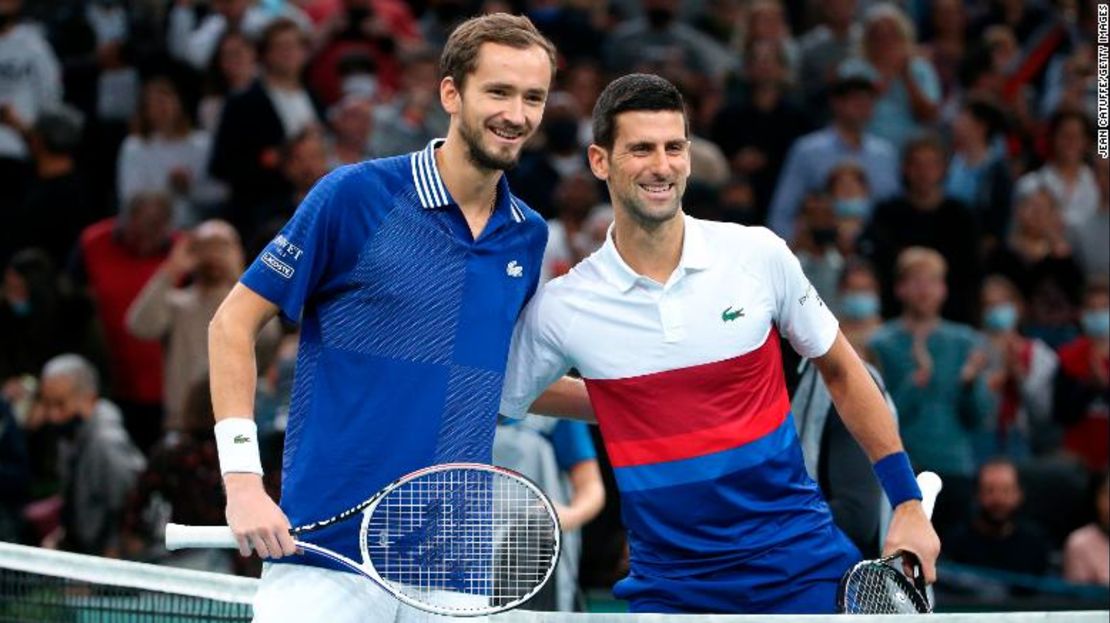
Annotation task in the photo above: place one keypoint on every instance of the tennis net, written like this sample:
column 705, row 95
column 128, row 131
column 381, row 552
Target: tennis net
column 38, row 585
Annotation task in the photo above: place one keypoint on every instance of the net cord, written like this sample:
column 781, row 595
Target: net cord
column 127, row 574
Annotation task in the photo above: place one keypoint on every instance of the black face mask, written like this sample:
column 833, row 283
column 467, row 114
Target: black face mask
column 562, row 135
column 65, row 430
column 824, row 236
column 659, row 18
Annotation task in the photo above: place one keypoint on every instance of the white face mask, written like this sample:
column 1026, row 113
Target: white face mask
column 360, row 85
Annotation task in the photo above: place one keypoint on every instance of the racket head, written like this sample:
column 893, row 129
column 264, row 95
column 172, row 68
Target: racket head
column 461, row 539
column 877, row 587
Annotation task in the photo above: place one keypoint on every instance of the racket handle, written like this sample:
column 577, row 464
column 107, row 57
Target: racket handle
column 930, row 485
column 179, row 536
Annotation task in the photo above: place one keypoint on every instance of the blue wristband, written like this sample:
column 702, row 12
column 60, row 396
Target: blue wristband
column 896, row 476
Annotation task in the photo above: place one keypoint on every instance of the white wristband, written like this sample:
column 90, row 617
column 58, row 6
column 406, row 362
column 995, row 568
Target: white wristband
column 237, row 445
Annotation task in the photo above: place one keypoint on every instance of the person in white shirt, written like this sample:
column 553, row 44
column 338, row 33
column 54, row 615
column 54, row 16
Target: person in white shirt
column 1066, row 175
column 30, row 82
column 166, row 154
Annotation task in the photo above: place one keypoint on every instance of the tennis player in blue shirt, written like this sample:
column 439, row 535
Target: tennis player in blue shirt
column 406, row 275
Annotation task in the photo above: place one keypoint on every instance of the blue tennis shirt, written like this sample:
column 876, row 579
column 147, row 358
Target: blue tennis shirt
column 405, row 322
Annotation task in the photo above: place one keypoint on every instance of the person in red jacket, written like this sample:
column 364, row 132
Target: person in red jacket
column 115, row 258
column 1082, row 403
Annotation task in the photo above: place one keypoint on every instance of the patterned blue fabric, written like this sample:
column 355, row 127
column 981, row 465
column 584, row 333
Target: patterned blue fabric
column 405, row 327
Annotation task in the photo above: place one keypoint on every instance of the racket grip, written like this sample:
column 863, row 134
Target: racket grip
column 930, row 485
column 179, row 536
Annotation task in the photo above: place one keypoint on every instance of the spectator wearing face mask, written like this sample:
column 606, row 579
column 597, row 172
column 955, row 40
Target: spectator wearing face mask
column 38, row 320
column 1020, row 373
column 857, row 304
column 97, row 462
column 1082, row 402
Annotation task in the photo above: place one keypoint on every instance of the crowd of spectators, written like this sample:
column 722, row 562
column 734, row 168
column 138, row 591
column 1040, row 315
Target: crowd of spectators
column 931, row 162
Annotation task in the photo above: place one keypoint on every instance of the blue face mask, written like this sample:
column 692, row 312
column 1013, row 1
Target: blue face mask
column 1096, row 323
column 1001, row 317
column 859, row 305
column 851, row 208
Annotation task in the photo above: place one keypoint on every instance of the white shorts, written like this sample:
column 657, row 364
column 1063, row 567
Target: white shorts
column 291, row 593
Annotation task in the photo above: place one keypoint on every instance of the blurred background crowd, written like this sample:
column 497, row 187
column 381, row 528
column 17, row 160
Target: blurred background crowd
column 931, row 162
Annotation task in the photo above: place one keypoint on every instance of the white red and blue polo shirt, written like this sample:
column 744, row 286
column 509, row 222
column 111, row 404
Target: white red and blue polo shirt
column 687, row 385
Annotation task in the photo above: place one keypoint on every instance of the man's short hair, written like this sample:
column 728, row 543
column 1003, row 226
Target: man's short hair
column 60, row 129
column 631, row 93
column 460, row 54
column 914, row 260
column 276, row 27
column 923, row 141
column 998, row 461
column 852, row 83
column 75, row 367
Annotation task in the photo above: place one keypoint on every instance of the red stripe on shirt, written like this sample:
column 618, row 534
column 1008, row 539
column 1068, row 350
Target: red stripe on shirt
column 689, row 412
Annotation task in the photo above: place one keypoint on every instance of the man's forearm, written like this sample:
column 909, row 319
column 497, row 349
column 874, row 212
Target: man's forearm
column 565, row 398
column 232, row 368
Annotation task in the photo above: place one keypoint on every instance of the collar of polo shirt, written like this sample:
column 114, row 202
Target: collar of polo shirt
column 432, row 192
column 695, row 257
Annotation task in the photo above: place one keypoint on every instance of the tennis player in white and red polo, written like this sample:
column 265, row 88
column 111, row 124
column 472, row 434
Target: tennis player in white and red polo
column 675, row 326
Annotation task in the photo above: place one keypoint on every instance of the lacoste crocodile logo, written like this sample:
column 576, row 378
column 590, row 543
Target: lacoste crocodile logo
column 729, row 315
column 241, row 439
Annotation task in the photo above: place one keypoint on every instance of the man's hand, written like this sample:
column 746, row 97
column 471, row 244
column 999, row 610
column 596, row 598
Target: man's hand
column 255, row 519
column 911, row 531
column 181, row 260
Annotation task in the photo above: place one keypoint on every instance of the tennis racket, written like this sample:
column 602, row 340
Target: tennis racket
column 460, row 539
column 877, row 587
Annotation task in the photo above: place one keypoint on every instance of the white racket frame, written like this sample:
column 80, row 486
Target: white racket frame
column 180, row 536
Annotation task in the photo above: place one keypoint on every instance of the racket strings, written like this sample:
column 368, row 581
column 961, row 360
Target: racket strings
column 458, row 535
column 876, row 588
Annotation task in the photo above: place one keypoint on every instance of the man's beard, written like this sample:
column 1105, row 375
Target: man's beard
column 478, row 155
column 645, row 218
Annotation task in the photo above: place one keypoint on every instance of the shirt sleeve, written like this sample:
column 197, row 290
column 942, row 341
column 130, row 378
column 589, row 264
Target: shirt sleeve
column 536, row 359
column 800, row 313
column 292, row 265
column 572, row 443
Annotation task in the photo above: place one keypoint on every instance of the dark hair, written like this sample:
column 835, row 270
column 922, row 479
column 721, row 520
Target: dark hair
column 852, row 84
column 927, row 140
column 1063, row 115
column 998, row 461
column 634, row 92
column 988, row 114
column 853, row 266
column 460, row 54
column 276, row 27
